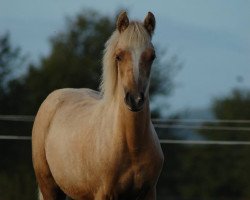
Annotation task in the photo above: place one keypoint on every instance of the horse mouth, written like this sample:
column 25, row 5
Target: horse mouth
column 134, row 109
column 134, row 104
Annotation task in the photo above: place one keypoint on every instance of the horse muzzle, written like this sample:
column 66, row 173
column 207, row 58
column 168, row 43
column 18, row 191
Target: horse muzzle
column 134, row 102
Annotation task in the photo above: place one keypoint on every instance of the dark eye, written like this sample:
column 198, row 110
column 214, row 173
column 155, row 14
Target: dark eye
column 118, row 58
column 152, row 57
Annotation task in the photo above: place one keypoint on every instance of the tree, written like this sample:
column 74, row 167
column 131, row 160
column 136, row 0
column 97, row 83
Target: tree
column 16, row 177
column 221, row 172
column 8, row 55
column 11, row 61
column 75, row 61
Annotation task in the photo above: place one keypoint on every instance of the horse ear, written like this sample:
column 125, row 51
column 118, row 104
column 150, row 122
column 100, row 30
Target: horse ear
column 122, row 21
column 149, row 23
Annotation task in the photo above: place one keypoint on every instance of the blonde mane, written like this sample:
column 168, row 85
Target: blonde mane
column 134, row 36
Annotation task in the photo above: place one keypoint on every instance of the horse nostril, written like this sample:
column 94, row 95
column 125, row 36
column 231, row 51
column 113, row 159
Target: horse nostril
column 142, row 96
column 129, row 99
column 139, row 99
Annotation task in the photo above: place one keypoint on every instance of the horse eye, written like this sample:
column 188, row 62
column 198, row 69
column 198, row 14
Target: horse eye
column 118, row 58
column 153, row 56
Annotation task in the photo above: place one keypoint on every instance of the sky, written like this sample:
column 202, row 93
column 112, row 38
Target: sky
column 211, row 38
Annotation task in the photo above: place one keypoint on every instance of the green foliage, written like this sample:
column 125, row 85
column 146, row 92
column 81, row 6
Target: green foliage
column 189, row 172
column 235, row 106
column 8, row 55
column 221, row 172
column 10, row 59
column 11, row 62
column 17, row 179
column 164, row 70
column 74, row 60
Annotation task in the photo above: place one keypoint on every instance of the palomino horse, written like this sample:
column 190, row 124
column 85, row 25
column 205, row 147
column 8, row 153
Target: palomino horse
column 102, row 146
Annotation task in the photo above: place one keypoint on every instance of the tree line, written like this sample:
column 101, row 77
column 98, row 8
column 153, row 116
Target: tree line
column 190, row 172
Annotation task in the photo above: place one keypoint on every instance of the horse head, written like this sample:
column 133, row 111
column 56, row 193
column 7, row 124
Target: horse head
column 134, row 55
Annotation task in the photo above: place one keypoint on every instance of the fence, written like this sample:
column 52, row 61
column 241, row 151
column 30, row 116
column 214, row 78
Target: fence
column 188, row 161
column 192, row 124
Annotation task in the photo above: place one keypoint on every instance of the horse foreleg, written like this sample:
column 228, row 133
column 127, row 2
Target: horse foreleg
column 50, row 191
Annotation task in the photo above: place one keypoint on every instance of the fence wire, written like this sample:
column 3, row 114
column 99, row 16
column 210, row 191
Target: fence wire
column 162, row 141
column 162, row 124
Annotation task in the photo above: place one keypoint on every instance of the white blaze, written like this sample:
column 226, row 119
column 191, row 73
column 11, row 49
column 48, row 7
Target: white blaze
column 136, row 59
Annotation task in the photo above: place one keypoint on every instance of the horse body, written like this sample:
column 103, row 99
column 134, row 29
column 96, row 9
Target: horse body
column 87, row 147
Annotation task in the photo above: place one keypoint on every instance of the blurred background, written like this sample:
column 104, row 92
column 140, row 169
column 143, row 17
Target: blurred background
column 200, row 90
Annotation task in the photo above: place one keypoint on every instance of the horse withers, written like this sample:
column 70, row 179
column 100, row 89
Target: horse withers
column 90, row 145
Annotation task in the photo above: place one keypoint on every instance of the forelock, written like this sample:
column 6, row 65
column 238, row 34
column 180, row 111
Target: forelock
column 135, row 36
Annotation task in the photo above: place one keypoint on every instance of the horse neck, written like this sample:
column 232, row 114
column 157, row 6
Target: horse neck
column 133, row 127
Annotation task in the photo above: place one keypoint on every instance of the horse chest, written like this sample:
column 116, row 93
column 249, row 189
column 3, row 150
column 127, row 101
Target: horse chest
column 133, row 181
column 134, row 171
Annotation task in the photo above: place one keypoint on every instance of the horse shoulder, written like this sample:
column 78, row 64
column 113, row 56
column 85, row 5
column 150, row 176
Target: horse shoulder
column 45, row 114
column 56, row 101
